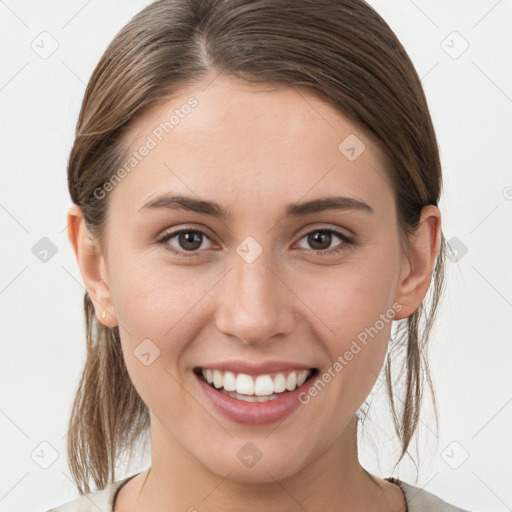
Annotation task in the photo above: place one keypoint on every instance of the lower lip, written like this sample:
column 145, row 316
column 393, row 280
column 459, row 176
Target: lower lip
column 254, row 413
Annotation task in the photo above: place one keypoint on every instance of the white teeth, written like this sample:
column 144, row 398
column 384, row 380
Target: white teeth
column 279, row 383
column 264, row 385
column 261, row 387
column 301, row 378
column 249, row 398
column 229, row 381
column 244, row 384
column 217, row 379
column 291, row 381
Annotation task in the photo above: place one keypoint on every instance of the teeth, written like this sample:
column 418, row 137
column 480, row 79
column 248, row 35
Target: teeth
column 264, row 385
column 244, row 384
column 291, row 381
column 229, row 383
column 279, row 383
column 261, row 388
column 249, row 398
column 218, row 379
column 301, row 378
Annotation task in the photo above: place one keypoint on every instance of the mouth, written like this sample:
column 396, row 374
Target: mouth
column 255, row 388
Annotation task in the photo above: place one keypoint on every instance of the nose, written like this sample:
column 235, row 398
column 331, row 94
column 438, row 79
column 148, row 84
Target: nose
column 255, row 305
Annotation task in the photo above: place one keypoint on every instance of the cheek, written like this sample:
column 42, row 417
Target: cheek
column 353, row 316
column 154, row 301
column 156, row 319
column 349, row 299
column 159, row 312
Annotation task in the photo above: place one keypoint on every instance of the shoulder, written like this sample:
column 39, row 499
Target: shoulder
column 97, row 501
column 420, row 500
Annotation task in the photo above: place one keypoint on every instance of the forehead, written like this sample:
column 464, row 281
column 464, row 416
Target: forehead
column 239, row 141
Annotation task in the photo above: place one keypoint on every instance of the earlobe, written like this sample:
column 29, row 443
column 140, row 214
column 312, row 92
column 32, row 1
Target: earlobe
column 92, row 267
column 424, row 247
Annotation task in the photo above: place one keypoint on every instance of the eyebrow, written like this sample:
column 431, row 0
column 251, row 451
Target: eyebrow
column 180, row 202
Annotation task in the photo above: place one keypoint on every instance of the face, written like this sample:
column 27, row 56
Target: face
column 267, row 288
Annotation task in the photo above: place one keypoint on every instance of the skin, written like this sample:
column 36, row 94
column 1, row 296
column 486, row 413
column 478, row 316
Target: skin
column 254, row 149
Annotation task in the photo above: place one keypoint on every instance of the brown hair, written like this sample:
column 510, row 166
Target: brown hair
column 341, row 50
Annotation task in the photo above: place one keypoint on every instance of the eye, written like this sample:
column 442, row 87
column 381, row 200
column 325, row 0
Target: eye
column 189, row 240
column 320, row 238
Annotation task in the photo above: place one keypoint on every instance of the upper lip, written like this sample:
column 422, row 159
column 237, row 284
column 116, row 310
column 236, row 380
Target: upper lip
column 252, row 368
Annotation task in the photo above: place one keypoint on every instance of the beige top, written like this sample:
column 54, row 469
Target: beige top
column 418, row 500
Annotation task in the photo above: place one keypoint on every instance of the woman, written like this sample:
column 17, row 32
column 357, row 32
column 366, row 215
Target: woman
column 255, row 189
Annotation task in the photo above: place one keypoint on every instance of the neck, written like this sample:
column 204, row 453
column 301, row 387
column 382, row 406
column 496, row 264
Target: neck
column 335, row 481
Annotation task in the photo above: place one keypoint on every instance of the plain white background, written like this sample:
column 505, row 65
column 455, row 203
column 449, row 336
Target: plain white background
column 461, row 50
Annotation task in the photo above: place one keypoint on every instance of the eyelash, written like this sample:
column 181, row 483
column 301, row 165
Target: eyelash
column 327, row 252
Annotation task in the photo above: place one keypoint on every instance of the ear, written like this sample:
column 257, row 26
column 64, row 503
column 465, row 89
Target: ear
column 92, row 267
column 424, row 246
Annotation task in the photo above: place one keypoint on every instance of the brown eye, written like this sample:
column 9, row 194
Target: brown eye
column 320, row 240
column 187, row 241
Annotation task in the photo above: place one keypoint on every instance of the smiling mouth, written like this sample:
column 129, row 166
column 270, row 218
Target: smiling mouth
column 260, row 388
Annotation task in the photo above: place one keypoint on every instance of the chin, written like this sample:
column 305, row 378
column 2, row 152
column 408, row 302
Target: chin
column 266, row 470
